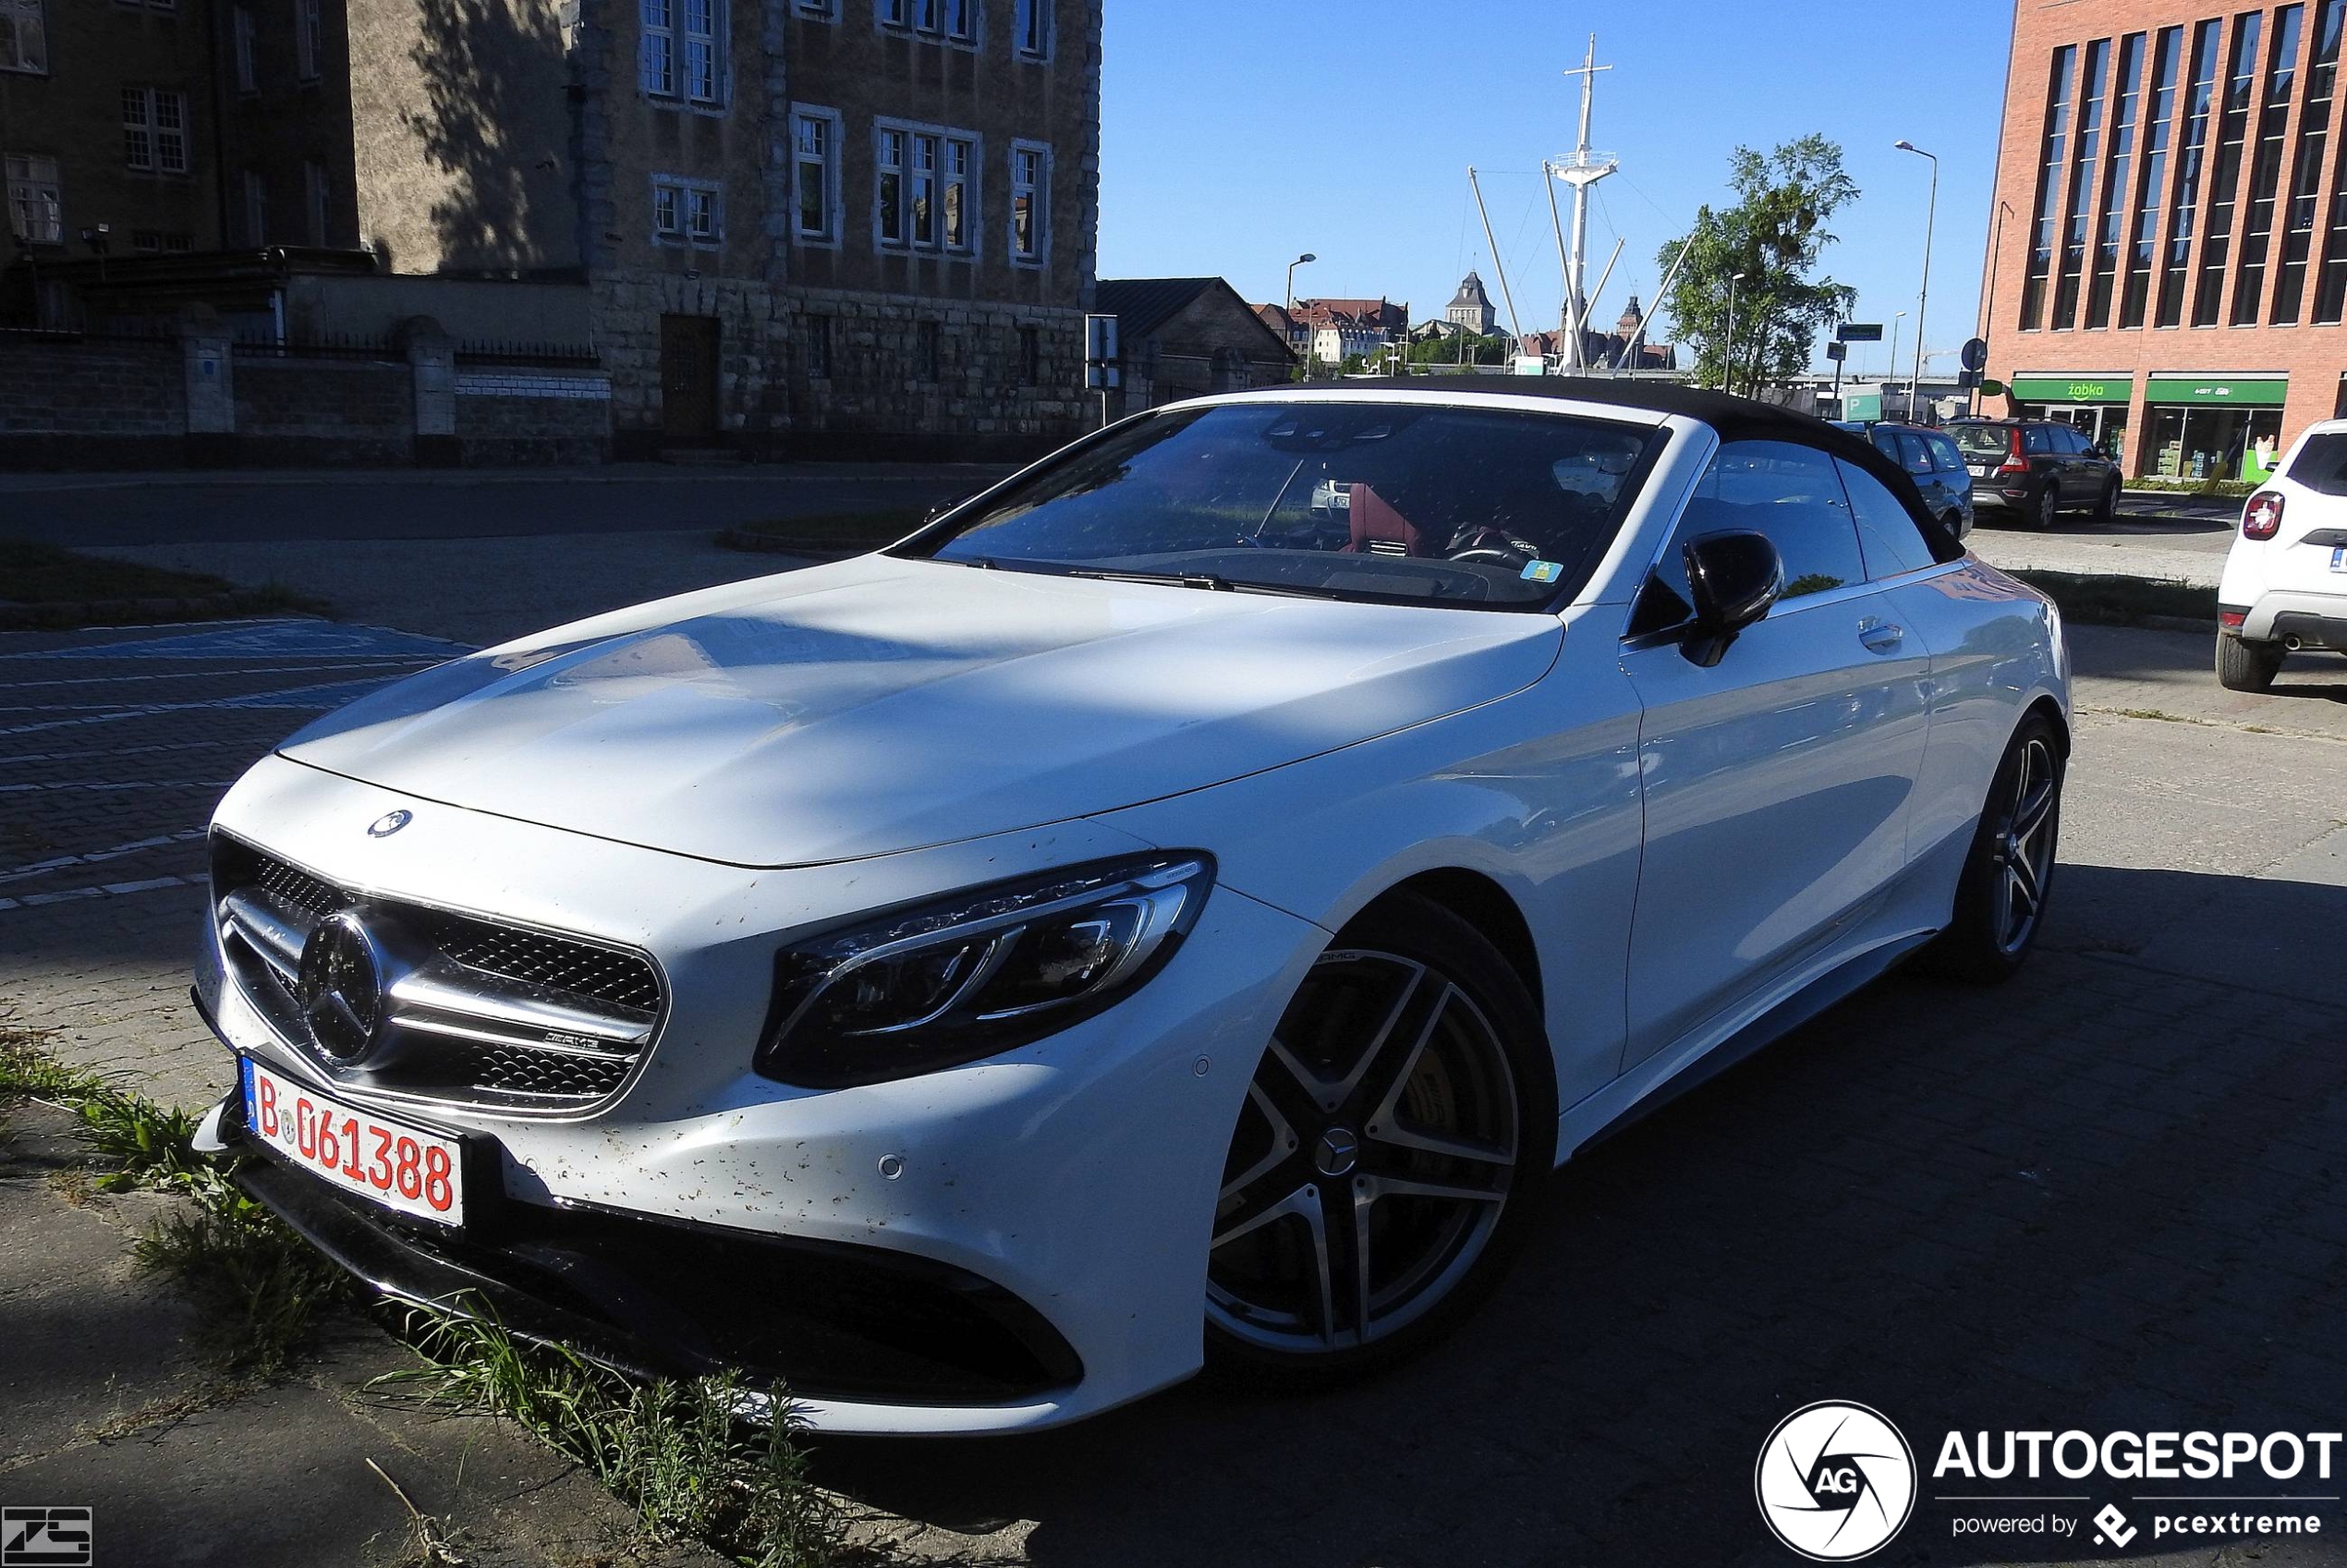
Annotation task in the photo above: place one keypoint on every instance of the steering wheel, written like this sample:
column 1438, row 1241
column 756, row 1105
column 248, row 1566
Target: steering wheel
column 1502, row 555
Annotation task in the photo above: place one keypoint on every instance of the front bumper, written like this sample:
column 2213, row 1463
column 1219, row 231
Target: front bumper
column 1061, row 1194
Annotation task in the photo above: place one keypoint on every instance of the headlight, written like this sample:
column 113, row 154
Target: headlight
column 935, row 985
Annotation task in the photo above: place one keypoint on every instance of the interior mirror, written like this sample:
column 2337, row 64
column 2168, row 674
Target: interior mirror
column 1732, row 578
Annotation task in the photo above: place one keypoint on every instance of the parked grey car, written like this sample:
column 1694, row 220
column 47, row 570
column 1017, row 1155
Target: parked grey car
column 2034, row 470
column 1934, row 462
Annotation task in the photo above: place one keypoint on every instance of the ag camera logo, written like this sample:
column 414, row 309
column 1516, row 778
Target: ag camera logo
column 1835, row 1481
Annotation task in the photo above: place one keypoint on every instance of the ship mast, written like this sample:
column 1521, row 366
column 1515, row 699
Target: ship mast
column 1584, row 169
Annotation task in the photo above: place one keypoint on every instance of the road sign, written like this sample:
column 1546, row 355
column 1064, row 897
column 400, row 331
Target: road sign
column 1858, row 332
column 1837, row 351
column 1101, row 372
column 1976, row 354
column 1968, row 379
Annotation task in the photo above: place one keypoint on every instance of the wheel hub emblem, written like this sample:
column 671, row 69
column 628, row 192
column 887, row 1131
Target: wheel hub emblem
column 1336, row 1152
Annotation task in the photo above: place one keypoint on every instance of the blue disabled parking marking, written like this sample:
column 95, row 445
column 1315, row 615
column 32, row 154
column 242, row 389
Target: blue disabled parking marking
column 266, row 640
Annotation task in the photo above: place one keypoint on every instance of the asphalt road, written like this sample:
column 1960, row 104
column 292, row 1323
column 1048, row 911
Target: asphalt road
column 2109, row 1195
column 2179, row 542
column 407, row 505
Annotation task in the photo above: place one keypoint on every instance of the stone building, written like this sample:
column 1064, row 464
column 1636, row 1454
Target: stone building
column 1471, row 308
column 1189, row 338
column 836, row 226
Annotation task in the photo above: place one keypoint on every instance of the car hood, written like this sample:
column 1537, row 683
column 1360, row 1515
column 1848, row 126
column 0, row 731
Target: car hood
column 878, row 704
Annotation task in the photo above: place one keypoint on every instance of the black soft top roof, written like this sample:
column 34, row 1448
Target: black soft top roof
column 1734, row 418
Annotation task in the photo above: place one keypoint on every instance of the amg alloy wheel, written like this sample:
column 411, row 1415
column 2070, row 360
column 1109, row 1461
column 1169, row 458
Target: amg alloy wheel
column 1389, row 1144
column 2000, row 900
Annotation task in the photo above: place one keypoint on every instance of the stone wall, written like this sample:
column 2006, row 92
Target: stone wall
column 69, row 405
column 514, row 416
column 304, row 410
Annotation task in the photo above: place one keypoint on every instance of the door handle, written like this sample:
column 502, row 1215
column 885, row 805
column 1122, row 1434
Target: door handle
column 1880, row 636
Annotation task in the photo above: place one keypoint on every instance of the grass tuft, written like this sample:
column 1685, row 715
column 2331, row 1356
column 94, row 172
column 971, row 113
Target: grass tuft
column 680, row 1453
column 38, row 572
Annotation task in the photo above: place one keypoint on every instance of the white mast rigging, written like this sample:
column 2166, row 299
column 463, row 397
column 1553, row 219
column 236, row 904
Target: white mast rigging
column 1584, row 169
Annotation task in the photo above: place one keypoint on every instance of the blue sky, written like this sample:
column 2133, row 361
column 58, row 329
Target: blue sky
column 1240, row 133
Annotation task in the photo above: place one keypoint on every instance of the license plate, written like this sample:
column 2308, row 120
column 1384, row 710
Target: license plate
column 399, row 1166
column 1980, row 470
column 2339, row 557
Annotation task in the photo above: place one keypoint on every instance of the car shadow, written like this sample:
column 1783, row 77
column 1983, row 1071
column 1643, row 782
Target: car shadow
column 2102, row 1196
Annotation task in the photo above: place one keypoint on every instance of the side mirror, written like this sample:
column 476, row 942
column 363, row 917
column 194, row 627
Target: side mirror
column 1732, row 578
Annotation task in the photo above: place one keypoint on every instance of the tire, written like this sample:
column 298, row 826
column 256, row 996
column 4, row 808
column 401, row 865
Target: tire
column 2107, row 505
column 2048, row 507
column 2246, row 667
column 2001, row 897
column 1407, row 1095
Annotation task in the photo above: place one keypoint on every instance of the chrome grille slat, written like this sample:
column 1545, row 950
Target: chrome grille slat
column 492, row 1016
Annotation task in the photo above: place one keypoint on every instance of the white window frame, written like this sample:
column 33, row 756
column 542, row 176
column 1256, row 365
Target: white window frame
column 656, row 68
column 682, row 54
column 1038, row 192
column 812, row 117
column 1031, row 29
column 247, row 49
column 148, row 145
column 33, row 188
column 24, row 43
column 704, row 53
column 817, row 10
column 675, row 198
column 306, row 24
column 922, row 156
column 942, row 21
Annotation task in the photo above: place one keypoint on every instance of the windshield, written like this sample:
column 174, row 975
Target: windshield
column 1983, row 441
column 1481, row 508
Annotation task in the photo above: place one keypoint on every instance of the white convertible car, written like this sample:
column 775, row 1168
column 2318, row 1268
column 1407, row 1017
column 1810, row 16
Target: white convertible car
column 1176, row 907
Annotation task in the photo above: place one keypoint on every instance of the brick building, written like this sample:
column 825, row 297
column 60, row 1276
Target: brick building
column 2167, row 264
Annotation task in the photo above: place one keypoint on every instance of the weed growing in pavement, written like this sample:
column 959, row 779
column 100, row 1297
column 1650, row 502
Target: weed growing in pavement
column 680, row 1453
column 264, row 1285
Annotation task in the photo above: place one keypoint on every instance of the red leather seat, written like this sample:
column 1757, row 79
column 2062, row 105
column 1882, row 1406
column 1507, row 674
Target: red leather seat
column 1376, row 522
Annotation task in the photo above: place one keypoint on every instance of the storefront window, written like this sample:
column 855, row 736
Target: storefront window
column 2191, row 442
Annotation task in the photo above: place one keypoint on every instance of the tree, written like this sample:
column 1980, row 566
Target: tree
column 1452, row 351
column 1774, row 235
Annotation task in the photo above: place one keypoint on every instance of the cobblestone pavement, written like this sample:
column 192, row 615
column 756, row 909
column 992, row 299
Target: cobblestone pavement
column 2109, row 1195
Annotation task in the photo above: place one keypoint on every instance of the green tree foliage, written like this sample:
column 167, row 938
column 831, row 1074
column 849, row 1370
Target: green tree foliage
column 1493, row 350
column 1774, row 234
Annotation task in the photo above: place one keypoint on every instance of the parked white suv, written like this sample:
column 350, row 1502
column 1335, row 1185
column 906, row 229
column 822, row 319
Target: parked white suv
column 2285, row 586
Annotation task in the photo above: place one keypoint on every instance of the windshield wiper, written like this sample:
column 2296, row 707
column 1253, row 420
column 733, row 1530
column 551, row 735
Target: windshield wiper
column 1171, row 579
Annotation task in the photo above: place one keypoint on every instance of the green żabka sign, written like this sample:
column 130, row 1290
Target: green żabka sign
column 2259, row 391
column 2074, row 389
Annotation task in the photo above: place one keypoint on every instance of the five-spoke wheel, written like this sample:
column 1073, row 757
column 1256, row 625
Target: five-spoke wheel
column 1388, row 1139
column 2000, row 899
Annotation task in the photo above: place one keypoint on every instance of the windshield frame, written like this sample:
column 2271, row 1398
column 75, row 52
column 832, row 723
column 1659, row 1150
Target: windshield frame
column 1651, row 427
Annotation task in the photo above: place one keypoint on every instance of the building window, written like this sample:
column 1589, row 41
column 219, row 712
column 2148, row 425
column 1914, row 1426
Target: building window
column 929, row 356
column 2118, row 158
column 2085, row 148
column 1031, row 29
column 256, row 209
column 816, row 331
column 2189, row 167
column 1030, row 203
column 2265, row 167
column 2158, row 116
column 922, row 189
column 2050, row 162
column 305, row 39
column 2224, row 178
column 1030, row 357
column 248, row 76
column 2314, row 133
column 24, row 40
column 155, row 130
column 313, row 201
column 815, row 173
column 36, row 214
column 158, row 242
column 819, row 10
column 686, row 62
column 954, row 19
column 686, row 211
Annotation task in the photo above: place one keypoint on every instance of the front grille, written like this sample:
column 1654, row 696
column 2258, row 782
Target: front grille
column 480, row 1012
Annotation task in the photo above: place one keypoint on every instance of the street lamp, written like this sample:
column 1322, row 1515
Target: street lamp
column 1923, row 295
column 1728, row 354
column 1890, row 376
column 1308, row 255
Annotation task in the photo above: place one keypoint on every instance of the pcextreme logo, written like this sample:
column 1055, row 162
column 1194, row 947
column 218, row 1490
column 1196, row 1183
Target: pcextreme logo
column 1835, row 1481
